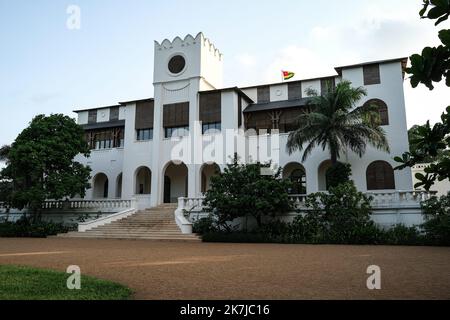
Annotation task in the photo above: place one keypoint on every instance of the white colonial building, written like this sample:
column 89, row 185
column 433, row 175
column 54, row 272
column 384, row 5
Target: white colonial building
column 166, row 147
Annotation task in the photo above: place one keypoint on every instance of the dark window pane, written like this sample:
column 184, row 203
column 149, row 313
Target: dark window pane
column 177, row 64
column 371, row 74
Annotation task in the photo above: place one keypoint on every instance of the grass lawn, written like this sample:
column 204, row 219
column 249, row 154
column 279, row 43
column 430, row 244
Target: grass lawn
column 24, row 283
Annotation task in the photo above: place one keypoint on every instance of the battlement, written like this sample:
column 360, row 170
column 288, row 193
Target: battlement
column 189, row 40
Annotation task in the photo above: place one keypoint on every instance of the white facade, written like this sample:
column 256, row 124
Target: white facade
column 202, row 74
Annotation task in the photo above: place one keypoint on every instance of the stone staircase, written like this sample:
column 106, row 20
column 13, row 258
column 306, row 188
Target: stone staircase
column 151, row 224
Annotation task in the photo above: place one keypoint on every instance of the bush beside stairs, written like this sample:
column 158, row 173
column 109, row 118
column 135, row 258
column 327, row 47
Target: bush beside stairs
column 150, row 224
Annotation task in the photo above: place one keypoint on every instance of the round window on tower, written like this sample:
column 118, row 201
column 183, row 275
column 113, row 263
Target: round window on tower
column 177, row 64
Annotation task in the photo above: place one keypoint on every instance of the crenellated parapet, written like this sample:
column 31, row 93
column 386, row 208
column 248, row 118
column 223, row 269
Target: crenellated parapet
column 189, row 40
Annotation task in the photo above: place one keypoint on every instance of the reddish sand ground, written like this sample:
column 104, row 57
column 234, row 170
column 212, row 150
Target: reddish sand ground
column 177, row 270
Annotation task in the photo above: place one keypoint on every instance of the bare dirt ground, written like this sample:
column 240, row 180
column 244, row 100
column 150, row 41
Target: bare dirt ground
column 177, row 270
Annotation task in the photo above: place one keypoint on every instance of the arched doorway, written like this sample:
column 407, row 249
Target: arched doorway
column 100, row 186
column 207, row 171
column 143, row 181
column 119, row 186
column 322, row 174
column 175, row 182
column 296, row 173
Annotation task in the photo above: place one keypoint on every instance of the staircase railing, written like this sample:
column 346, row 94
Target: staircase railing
column 187, row 205
column 87, row 204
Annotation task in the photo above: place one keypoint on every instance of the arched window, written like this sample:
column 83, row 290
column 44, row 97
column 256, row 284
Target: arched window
column 382, row 109
column 298, row 179
column 295, row 172
column 380, row 176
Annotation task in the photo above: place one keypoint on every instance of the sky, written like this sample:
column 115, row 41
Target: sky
column 46, row 67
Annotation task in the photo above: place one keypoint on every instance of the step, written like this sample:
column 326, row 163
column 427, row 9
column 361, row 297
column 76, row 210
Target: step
column 139, row 238
column 133, row 232
column 154, row 236
column 135, row 228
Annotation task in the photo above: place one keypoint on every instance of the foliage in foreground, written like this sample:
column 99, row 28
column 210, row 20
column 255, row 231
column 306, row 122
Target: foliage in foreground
column 242, row 190
column 340, row 217
column 32, row 229
column 429, row 67
column 24, row 283
column 40, row 163
column 437, row 219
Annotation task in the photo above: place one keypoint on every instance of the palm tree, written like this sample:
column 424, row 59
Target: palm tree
column 337, row 124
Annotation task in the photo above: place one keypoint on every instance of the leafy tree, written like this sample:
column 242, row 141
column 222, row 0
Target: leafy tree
column 4, row 152
column 431, row 143
column 337, row 124
column 242, row 190
column 416, row 143
column 434, row 62
column 41, row 165
column 6, row 186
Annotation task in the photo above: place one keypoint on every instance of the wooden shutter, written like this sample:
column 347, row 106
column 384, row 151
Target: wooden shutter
column 259, row 120
column 92, row 117
column 380, row 176
column 176, row 115
column 263, row 94
column 289, row 119
column 294, row 90
column 210, row 107
column 114, row 114
column 371, row 74
column 144, row 115
column 384, row 115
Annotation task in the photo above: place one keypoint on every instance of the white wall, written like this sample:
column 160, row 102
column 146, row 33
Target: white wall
column 107, row 161
column 279, row 92
column 103, row 115
column 83, row 117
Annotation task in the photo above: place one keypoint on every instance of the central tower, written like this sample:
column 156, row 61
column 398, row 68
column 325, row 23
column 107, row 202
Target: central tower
column 182, row 68
column 187, row 59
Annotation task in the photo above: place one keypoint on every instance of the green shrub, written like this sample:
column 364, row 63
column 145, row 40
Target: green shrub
column 437, row 220
column 275, row 231
column 338, row 174
column 243, row 190
column 402, row 235
column 204, row 225
column 25, row 228
column 340, row 216
column 305, row 229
